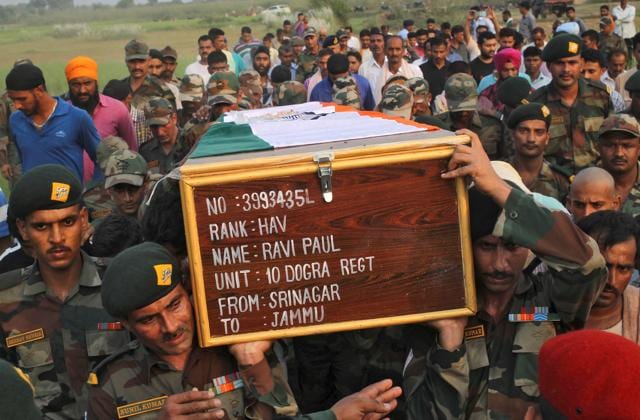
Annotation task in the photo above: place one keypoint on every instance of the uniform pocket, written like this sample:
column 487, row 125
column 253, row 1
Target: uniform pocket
column 104, row 343
column 592, row 124
column 35, row 354
column 233, row 403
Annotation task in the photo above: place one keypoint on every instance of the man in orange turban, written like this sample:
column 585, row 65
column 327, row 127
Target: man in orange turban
column 109, row 115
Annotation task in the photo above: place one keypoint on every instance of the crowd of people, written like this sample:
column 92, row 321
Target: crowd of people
column 96, row 317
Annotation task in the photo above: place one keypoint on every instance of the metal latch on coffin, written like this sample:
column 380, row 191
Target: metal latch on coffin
column 324, row 173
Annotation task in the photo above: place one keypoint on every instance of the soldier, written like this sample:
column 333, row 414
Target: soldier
column 307, row 60
column 397, row 101
column 165, row 374
column 126, row 181
column 52, row 322
column 484, row 366
column 191, row 96
column 577, row 106
column 529, row 125
column 167, row 147
column 170, row 60
column 609, row 40
column 143, row 85
column 96, row 197
column 462, row 100
column 290, row 93
column 345, row 92
column 421, row 96
column 619, row 147
column 592, row 190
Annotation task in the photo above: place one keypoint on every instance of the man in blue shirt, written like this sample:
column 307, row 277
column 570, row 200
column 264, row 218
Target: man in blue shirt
column 47, row 129
column 337, row 67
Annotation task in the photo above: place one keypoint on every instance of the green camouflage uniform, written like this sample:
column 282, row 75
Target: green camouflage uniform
column 8, row 150
column 493, row 373
column 96, row 197
column 72, row 338
column 611, row 42
column 573, row 133
column 307, row 66
column 158, row 111
column 490, row 130
column 136, row 375
column 290, row 93
column 550, row 182
column 328, row 367
column 397, row 101
column 345, row 92
column 632, row 204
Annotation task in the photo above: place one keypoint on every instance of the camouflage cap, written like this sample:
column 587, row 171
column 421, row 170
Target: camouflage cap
column 223, row 82
column 398, row 79
column 562, row 46
column 222, row 99
column 310, row 31
column 250, row 78
column 137, row 277
column 605, row 21
column 191, row 88
column 136, row 50
column 107, row 146
column 620, row 123
column 345, row 92
column 169, row 52
column 460, row 92
column 342, row 34
column 157, row 111
column 296, row 41
column 420, row 88
column 244, row 102
column 290, row 93
column 397, row 101
column 45, row 187
column 125, row 167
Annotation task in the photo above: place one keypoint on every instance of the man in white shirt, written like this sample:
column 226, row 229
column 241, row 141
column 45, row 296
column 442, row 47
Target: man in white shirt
column 625, row 15
column 533, row 67
column 371, row 69
column 395, row 65
column 201, row 67
column 408, row 25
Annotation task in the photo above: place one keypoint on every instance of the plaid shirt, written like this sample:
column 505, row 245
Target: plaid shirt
column 143, row 133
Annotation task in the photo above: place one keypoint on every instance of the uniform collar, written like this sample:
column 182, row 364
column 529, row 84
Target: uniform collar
column 89, row 277
column 148, row 360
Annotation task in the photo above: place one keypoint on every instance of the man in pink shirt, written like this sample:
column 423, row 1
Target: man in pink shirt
column 109, row 115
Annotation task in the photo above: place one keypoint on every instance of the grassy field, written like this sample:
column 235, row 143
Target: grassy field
column 52, row 38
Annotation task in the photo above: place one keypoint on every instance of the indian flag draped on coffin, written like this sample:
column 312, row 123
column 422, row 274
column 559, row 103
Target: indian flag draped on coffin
column 297, row 125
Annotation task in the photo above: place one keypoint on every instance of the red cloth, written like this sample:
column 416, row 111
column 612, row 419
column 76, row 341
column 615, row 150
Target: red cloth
column 507, row 55
column 590, row 374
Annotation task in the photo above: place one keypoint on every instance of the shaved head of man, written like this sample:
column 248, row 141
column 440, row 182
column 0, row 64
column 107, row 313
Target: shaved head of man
column 592, row 190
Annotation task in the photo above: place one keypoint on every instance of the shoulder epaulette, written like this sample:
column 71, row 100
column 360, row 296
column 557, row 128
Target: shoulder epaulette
column 94, row 373
column 598, row 84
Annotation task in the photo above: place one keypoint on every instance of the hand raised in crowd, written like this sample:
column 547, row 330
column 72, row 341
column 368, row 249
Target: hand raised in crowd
column 249, row 354
column 6, row 171
column 192, row 405
column 472, row 160
column 373, row 402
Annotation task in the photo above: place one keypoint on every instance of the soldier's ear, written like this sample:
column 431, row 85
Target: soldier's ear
column 21, row 225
